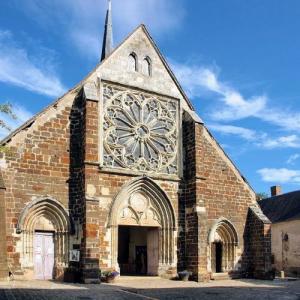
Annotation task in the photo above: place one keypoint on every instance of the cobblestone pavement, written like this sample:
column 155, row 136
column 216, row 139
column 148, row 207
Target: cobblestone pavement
column 152, row 288
column 46, row 290
column 157, row 288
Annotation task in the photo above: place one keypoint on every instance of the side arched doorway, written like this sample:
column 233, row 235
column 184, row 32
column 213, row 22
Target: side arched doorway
column 44, row 225
column 223, row 240
column 142, row 224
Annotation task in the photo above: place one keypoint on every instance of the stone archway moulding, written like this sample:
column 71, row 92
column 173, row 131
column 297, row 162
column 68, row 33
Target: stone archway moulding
column 49, row 206
column 226, row 227
column 224, row 232
column 54, row 211
column 154, row 200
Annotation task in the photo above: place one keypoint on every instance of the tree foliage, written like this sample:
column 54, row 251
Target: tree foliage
column 260, row 196
column 6, row 108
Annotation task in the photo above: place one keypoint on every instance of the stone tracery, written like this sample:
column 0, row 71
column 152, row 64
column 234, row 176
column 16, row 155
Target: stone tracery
column 138, row 210
column 140, row 131
column 141, row 202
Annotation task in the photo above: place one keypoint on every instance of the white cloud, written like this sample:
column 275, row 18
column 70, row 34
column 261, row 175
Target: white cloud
column 82, row 21
column 292, row 158
column 242, row 132
column 19, row 69
column 22, row 115
column 196, row 79
column 281, row 117
column 260, row 139
column 290, row 141
column 281, row 175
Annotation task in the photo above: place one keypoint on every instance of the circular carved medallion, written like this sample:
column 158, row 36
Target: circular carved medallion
column 138, row 202
column 140, row 131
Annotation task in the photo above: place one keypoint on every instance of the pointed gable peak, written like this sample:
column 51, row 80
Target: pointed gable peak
column 107, row 45
column 142, row 28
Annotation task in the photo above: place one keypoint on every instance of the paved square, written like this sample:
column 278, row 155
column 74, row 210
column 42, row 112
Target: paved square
column 152, row 288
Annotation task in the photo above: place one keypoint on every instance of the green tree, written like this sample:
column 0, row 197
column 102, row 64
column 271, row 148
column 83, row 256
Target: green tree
column 260, row 196
column 6, row 108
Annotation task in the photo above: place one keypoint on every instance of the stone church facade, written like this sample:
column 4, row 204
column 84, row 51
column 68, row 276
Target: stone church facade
column 121, row 174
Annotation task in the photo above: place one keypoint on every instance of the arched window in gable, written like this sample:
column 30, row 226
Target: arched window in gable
column 133, row 62
column 147, row 66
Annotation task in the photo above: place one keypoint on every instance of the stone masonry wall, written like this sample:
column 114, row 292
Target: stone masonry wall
column 213, row 189
column 195, row 239
column 37, row 164
column 101, row 189
column 3, row 255
column 257, row 238
column 60, row 157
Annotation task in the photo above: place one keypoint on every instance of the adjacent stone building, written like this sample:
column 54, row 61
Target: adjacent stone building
column 283, row 210
column 120, row 173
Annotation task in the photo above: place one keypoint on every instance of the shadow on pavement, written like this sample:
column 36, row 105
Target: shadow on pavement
column 57, row 291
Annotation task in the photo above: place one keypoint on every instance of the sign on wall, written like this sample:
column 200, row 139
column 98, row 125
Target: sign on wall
column 74, row 255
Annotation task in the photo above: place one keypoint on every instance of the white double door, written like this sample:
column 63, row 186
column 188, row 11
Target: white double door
column 43, row 255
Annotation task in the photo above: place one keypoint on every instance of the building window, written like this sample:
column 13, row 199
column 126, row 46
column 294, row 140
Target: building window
column 140, row 131
column 133, row 62
column 147, row 66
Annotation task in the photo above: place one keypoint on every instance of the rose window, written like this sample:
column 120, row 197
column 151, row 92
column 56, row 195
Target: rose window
column 140, row 131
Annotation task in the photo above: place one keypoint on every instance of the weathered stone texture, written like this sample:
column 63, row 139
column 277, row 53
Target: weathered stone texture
column 3, row 248
column 44, row 162
column 215, row 188
column 257, row 255
column 57, row 155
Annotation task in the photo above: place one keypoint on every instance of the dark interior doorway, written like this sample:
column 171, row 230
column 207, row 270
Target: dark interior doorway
column 219, row 253
column 141, row 260
column 138, row 250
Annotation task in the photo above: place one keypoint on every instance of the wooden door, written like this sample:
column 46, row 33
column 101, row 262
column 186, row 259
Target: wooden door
column 152, row 251
column 43, row 255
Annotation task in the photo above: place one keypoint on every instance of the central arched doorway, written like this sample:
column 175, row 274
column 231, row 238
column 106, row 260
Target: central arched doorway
column 142, row 224
column 138, row 250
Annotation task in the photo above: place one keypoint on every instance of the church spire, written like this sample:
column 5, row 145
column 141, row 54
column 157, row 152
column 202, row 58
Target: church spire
column 107, row 45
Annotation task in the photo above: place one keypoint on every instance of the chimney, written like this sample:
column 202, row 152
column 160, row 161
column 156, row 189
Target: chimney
column 275, row 190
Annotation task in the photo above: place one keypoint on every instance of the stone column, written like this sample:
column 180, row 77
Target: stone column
column 202, row 243
column 90, row 262
column 196, row 231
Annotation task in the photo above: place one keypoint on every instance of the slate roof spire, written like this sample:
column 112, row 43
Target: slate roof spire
column 107, row 45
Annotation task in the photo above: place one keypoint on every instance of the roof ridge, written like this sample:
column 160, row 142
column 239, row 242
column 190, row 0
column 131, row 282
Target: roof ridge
column 281, row 195
column 57, row 100
column 80, row 83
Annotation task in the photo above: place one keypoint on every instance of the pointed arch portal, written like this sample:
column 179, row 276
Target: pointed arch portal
column 45, row 225
column 143, row 215
column 223, row 240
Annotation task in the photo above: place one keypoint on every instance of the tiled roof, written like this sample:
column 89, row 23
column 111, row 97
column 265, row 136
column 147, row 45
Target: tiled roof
column 282, row 207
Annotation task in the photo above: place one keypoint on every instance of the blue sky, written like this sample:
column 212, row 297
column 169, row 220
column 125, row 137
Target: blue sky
column 237, row 60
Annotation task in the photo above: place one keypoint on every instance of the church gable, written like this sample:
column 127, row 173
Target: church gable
column 71, row 171
column 137, row 62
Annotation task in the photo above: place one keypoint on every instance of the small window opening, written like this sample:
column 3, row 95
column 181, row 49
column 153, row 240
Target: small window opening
column 146, row 66
column 133, row 62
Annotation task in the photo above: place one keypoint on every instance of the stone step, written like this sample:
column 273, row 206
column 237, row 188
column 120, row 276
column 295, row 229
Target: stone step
column 220, row 276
